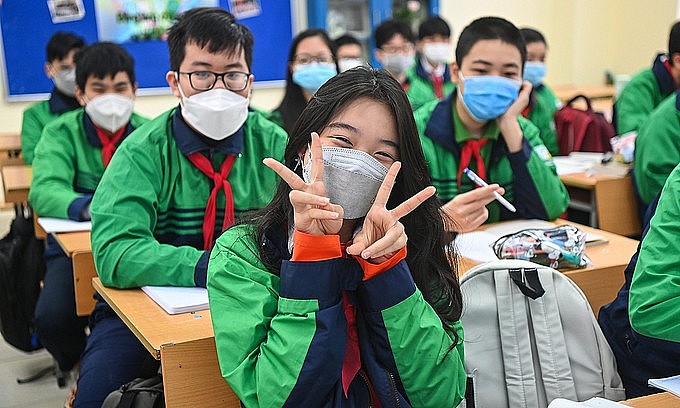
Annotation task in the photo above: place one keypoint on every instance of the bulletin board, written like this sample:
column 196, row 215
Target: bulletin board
column 27, row 25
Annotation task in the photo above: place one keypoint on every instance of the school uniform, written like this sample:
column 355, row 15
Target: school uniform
column 148, row 225
column 641, row 323
column 66, row 171
column 329, row 330
column 528, row 176
column 642, row 94
column 40, row 114
column 422, row 86
column 657, row 148
column 541, row 112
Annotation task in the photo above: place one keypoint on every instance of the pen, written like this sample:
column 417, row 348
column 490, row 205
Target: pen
column 478, row 180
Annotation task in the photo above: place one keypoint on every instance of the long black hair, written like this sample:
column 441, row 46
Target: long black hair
column 294, row 102
column 430, row 254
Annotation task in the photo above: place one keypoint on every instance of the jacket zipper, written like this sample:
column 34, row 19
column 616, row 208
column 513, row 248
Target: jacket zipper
column 368, row 388
column 393, row 387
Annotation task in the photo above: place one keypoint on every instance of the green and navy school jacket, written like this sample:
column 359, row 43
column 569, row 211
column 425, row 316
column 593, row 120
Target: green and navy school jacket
column 642, row 94
column 147, row 214
column 68, row 165
column 419, row 88
column 40, row 114
column 541, row 112
column 657, row 148
column 281, row 340
column 528, row 176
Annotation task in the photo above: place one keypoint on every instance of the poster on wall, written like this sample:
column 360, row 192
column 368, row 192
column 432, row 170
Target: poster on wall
column 62, row 11
column 245, row 8
column 122, row 21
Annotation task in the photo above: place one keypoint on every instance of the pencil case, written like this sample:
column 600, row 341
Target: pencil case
column 559, row 248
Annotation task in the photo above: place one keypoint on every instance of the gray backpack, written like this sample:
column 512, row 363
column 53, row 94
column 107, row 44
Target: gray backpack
column 531, row 337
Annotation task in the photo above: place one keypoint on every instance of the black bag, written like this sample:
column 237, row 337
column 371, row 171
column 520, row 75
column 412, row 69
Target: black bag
column 138, row 393
column 22, row 268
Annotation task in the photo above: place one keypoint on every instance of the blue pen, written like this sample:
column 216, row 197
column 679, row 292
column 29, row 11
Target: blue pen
column 478, row 180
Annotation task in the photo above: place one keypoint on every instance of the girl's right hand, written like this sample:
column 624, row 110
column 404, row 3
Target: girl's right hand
column 468, row 210
column 314, row 214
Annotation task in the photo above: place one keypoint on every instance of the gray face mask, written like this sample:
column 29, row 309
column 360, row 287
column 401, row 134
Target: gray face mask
column 352, row 179
column 65, row 81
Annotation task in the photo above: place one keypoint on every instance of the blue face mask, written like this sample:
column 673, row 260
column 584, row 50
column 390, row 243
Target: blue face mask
column 488, row 97
column 311, row 76
column 534, row 72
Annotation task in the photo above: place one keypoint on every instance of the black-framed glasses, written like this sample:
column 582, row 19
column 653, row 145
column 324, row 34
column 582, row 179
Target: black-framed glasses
column 308, row 59
column 206, row 80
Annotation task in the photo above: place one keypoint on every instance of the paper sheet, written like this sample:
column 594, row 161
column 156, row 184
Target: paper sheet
column 476, row 246
column 178, row 299
column 670, row 384
column 51, row 225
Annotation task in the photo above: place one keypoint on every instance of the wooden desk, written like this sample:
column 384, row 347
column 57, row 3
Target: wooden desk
column 610, row 201
column 566, row 92
column 662, row 400
column 10, row 148
column 78, row 247
column 601, row 280
column 16, row 181
column 184, row 343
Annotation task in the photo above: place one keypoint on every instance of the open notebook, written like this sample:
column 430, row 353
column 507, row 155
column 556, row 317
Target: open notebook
column 177, row 300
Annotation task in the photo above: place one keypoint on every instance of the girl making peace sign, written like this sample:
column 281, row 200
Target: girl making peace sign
column 341, row 292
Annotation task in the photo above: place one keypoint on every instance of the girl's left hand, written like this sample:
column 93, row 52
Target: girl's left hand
column 382, row 235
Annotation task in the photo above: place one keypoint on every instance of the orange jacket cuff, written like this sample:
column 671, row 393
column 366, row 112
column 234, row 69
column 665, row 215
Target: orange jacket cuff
column 372, row 270
column 309, row 248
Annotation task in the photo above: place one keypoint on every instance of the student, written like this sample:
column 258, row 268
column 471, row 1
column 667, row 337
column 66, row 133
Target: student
column 311, row 62
column 649, row 87
column 150, row 221
column 395, row 49
column 657, row 148
column 299, row 321
column 641, row 324
column 480, row 127
column 542, row 102
column 61, row 70
column 69, row 162
column 430, row 78
column 349, row 52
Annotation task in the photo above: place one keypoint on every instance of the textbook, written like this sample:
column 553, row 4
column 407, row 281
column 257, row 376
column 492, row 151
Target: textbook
column 52, row 225
column 670, row 384
column 175, row 300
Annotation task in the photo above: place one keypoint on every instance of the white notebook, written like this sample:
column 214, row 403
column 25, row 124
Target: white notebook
column 177, row 300
column 670, row 384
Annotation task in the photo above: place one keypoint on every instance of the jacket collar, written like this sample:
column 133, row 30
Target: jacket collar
column 60, row 102
column 91, row 132
column 190, row 141
column 422, row 72
column 663, row 77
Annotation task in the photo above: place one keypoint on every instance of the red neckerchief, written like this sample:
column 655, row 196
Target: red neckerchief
column 108, row 143
column 471, row 148
column 220, row 181
column 438, row 85
column 352, row 361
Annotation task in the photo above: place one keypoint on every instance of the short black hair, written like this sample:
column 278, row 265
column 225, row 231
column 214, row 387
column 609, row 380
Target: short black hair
column 103, row 59
column 532, row 36
column 346, row 39
column 389, row 28
column 61, row 43
column 432, row 26
column 489, row 28
column 674, row 39
column 210, row 27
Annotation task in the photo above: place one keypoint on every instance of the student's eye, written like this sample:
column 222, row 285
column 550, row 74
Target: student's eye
column 382, row 156
column 479, row 71
column 342, row 140
column 202, row 74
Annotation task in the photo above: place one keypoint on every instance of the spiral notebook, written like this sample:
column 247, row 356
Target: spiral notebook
column 175, row 300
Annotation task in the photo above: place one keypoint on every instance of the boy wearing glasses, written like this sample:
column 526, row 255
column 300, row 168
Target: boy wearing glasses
column 175, row 185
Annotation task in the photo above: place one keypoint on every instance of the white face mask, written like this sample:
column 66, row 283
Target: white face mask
column 217, row 113
column 110, row 111
column 437, row 52
column 65, row 81
column 343, row 167
column 398, row 64
column 348, row 63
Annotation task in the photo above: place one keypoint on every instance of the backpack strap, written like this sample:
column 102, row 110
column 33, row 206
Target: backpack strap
column 551, row 348
column 520, row 377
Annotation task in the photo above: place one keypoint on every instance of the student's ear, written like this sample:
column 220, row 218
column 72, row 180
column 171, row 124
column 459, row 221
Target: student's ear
column 80, row 96
column 135, row 87
column 455, row 69
column 171, row 78
column 378, row 54
column 48, row 71
column 675, row 61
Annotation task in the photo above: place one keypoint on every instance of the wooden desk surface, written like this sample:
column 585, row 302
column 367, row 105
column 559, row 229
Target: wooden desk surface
column 184, row 343
column 601, row 280
column 72, row 242
column 661, row 400
column 566, row 92
column 16, row 181
column 10, row 141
